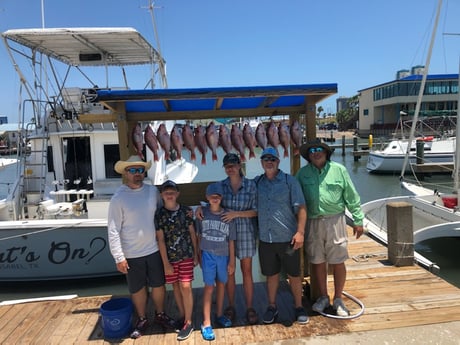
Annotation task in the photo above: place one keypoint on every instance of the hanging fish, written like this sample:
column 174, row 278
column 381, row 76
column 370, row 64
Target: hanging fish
column 273, row 136
column 151, row 142
column 176, row 140
column 296, row 136
column 138, row 140
column 200, row 142
column 249, row 139
column 236, row 137
column 224, row 139
column 261, row 136
column 212, row 139
column 189, row 141
column 284, row 137
column 164, row 140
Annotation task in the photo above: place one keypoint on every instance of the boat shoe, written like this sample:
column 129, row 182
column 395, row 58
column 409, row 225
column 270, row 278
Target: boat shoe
column 321, row 304
column 340, row 308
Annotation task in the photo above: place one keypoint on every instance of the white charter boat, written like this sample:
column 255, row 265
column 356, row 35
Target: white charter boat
column 391, row 158
column 54, row 220
column 434, row 215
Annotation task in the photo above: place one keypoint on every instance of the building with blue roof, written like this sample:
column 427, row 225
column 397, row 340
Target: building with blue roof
column 382, row 106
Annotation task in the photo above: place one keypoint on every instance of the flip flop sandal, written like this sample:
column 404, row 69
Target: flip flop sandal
column 230, row 313
column 251, row 316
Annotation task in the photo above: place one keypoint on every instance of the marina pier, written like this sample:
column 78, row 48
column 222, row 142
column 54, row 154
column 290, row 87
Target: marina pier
column 394, row 298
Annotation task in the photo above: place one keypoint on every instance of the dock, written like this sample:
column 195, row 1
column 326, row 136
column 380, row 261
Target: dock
column 394, row 297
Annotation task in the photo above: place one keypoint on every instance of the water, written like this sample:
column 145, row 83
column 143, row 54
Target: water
column 442, row 251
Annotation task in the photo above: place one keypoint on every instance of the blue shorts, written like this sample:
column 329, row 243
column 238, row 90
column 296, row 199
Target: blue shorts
column 215, row 268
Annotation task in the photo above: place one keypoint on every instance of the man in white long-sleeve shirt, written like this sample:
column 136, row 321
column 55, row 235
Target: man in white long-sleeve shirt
column 133, row 243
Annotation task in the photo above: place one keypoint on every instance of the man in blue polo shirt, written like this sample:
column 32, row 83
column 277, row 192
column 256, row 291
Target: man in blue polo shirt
column 282, row 217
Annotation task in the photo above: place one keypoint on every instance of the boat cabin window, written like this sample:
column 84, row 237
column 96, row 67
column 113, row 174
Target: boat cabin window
column 77, row 163
column 111, row 156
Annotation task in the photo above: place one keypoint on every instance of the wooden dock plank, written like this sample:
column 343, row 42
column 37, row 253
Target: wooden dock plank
column 393, row 297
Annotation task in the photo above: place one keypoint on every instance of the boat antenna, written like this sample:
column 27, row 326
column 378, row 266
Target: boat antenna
column 161, row 62
column 43, row 13
column 420, row 93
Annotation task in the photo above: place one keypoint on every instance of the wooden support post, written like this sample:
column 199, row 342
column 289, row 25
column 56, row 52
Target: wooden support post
column 355, row 149
column 343, row 146
column 420, row 152
column 400, row 232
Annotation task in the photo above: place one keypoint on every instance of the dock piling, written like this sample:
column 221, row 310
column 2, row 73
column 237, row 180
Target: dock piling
column 400, row 234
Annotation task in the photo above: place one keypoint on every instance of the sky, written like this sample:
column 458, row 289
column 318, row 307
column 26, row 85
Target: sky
column 222, row 43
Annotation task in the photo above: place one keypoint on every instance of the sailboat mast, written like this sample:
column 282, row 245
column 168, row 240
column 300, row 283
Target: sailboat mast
column 457, row 136
column 422, row 89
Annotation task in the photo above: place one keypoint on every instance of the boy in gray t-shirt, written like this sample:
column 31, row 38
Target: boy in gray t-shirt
column 216, row 240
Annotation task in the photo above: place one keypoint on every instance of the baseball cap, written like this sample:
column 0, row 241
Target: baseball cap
column 269, row 151
column 214, row 188
column 231, row 158
column 169, row 185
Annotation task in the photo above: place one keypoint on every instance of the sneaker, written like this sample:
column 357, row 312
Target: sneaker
column 178, row 324
column 340, row 308
column 141, row 326
column 185, row 332
column 224, row 321
column 321, row 304
column 164, row 320
column 301, row 315
column 270, row 314
column 207, row 333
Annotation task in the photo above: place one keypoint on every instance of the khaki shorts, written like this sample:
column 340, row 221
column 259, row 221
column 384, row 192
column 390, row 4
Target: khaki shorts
column 327, row 239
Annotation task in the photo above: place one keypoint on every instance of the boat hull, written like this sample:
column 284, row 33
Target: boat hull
column 54, row 249
column 430, row 220
column 378, row 162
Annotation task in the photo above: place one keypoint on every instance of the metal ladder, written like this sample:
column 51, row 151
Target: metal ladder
column 34, row 169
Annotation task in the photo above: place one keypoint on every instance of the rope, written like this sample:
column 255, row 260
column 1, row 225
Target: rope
column 366, row 257
column 349, row 317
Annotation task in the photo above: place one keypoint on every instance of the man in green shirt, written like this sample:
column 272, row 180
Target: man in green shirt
column 328, row 191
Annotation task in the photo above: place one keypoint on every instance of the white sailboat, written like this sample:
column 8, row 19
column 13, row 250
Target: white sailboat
column 431, row 218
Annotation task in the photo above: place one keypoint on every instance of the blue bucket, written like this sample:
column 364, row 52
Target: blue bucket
column 116, row 317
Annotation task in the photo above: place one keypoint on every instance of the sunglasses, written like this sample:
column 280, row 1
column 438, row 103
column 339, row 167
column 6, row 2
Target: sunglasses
column 269, row 159
column 136, row 170
column 315, row 149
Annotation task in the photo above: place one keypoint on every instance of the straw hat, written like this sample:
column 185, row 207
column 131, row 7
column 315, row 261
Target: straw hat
column 132, row 161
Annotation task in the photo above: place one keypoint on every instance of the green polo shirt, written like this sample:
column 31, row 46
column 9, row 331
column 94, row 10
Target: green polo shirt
column 329, row 191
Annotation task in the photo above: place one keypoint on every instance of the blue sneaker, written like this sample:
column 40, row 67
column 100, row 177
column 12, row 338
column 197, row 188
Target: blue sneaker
column 224, row 321
column 207, row 333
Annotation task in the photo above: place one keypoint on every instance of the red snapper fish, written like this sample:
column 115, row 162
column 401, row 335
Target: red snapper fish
column 176, row 140
column 138, row 140
column 284, row 137
column 236, row 137
column 224, row 139
column 249, row 139
column 296, row 136
column 261, row 136
column 189, row 141
column 212, row 139
column 200, row 142
column 164, row 140
column 273, row 136
column 151, row 142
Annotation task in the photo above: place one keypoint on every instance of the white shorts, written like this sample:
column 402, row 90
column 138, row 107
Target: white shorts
column 327, row 239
